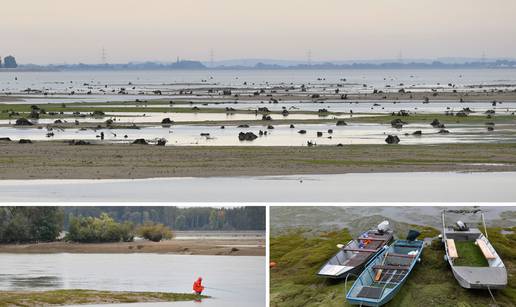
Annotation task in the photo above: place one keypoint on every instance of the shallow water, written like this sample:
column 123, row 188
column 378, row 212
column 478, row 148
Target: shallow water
column 281, row 135
column 136, row 117
column 240, row 280
column 82, row 81
column 371, row 187
column 326, row 217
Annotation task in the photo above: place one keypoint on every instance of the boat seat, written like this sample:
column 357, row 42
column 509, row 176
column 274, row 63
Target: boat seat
column 391, row 267
column 400, row 255
column 485, row 250
column 362, row 250
column 370, row 292
column 452, row 249
column 371, row 238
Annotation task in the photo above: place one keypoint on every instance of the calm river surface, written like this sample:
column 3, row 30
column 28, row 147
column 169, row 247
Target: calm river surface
column 387, row 187
column 235, row 280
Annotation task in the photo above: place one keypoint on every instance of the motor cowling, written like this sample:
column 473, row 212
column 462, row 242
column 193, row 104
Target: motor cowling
column 461, row 225
column 383, row 227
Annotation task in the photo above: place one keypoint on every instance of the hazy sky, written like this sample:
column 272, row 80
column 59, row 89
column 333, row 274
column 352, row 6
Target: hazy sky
column 57, row 31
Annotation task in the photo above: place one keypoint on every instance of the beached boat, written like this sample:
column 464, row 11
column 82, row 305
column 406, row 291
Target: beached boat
column 352, row 257
column 385, row 274
column 473, row 260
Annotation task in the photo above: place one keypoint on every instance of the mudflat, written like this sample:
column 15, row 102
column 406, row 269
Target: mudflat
column 58, row 160
column 228, row 247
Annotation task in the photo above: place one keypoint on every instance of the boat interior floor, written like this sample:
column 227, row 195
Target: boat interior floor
column 374, row 245
column 370, row 292
column 469, row 255
column 392, row 275
column 357, row 259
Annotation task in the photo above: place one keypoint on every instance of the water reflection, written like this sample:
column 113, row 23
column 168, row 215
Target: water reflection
column 281, row 135
column 229, row 279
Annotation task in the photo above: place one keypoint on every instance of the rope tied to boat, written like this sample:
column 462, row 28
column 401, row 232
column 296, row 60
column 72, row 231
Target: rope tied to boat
column 492, row 296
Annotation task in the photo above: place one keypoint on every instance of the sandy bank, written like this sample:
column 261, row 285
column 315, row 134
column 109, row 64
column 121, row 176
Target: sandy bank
column 237, row 247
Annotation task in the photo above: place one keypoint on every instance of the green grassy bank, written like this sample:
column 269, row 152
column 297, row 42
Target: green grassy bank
column 82, row 297
column 300, row 253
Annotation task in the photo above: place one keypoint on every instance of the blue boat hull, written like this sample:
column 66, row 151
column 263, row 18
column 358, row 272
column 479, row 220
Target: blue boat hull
column 366, row 280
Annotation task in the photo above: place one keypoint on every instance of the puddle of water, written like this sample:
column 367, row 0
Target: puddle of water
column 281, row 135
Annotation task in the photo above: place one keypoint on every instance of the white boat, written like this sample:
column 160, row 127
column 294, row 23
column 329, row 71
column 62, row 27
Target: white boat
column 483, row 270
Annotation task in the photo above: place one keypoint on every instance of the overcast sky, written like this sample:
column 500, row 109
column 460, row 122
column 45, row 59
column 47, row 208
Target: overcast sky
column 58, row 31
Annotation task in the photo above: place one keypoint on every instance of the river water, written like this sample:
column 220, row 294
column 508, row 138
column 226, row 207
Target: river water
column 235, row 280
column 369, row 187
column 356, row 217
column 83, row 81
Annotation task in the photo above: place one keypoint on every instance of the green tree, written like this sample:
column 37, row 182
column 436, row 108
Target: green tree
column 30, row 224
column 99, row 230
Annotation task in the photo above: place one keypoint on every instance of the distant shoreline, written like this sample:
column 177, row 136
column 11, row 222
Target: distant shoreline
column 186, row 65
column 4, row 70
column 210, row 247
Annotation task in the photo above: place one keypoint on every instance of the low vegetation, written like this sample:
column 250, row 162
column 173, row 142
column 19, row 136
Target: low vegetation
column 82, row 297
column 299, row 254
column 154, row 232
column 469, row 254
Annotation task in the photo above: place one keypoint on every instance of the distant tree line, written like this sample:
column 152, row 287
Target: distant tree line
column 200, row 218
column 119, row 224
column 9, row 62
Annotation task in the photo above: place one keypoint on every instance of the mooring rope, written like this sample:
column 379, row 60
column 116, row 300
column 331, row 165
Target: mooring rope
column 492, row 296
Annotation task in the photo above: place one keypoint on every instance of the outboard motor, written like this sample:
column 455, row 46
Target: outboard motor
column 461, row 226
column 412, row 235
column 383, row 227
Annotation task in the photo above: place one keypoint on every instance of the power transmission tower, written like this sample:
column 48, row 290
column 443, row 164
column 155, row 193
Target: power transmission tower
column 103, row 56
column 309, row 57
column 212, row 56
column 400, row 57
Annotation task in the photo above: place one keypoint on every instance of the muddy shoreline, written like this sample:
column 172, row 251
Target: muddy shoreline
column 58, row 160
column 229, row 247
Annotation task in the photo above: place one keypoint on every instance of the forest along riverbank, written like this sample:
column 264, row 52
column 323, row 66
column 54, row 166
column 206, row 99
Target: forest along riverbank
column 61, row 161
column 229, row 247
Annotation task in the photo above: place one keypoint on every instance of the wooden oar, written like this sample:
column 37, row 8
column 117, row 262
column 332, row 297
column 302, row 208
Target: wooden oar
column 378, row 275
